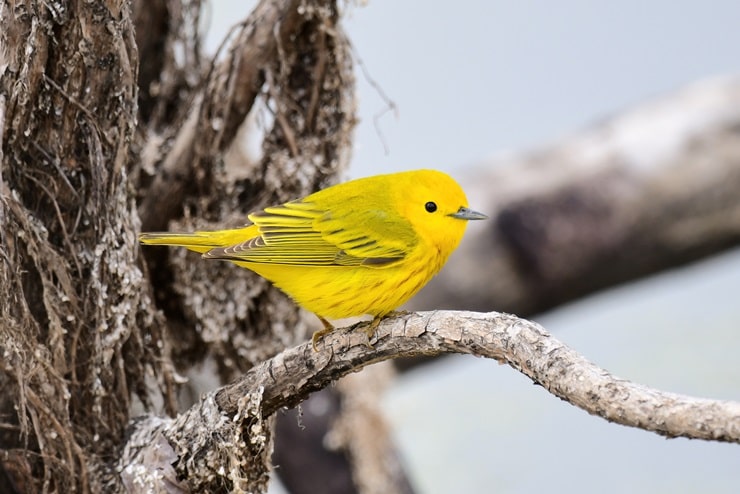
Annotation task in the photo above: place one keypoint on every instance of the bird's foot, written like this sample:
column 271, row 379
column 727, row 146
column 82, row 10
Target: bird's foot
column 328, row 328
column 371, row 328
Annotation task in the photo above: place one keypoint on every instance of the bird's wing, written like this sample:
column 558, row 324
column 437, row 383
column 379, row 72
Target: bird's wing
column 301, row 233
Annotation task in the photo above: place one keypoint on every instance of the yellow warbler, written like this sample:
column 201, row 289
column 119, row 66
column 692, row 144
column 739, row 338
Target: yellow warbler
column 360, row 247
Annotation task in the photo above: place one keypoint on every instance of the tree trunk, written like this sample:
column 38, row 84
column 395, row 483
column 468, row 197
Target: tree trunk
column 79, row 334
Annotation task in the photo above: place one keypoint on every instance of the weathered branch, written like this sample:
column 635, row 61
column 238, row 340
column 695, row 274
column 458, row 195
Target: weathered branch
column 288, row 378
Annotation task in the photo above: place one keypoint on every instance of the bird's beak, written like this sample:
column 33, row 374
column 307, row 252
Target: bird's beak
column 468, row 214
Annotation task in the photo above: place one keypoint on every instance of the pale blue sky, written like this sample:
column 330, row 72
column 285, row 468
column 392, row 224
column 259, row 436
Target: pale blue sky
column 473, row 78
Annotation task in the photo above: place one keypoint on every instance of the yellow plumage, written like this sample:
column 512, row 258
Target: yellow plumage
column 360, row 247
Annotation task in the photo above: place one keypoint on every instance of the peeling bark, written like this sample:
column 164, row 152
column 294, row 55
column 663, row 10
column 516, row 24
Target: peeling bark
column 201, row 450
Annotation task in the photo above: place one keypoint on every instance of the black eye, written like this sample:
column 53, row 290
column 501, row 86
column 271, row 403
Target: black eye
column 430, row 207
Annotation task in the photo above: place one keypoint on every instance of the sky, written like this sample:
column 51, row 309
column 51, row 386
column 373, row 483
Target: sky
column 471, row 80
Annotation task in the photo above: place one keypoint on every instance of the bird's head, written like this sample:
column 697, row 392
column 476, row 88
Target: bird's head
column 436, row 206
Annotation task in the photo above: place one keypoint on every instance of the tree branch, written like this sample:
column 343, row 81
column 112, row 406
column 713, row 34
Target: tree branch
column 288, row 378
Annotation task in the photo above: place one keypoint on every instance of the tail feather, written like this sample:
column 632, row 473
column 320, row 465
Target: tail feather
column 199, row 241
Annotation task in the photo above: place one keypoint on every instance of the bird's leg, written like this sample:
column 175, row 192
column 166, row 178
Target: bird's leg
column 328, row 328
column 371, row 328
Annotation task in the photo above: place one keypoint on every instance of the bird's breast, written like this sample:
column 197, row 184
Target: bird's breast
column 346, row 291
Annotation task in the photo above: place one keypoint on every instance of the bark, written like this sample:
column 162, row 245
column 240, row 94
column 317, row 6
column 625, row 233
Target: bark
column 215, row 113
column 646, row 191
column 79, row 334
column 289, row 377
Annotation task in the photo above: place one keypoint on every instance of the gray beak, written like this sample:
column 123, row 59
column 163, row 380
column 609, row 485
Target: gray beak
column 468, row 214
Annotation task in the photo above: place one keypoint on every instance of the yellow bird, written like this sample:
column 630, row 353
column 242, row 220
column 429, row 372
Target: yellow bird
column 361, row 247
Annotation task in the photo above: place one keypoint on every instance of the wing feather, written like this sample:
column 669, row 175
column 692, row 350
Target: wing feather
column 302, row 233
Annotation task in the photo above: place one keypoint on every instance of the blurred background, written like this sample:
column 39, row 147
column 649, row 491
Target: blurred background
column 470, row 81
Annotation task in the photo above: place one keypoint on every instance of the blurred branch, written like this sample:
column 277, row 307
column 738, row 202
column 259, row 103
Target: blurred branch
column 288, row 378
column 219, row 107
column 338, row 441
column 648, row 190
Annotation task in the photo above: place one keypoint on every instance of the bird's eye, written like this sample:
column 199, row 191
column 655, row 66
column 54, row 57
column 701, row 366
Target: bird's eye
column 430, row 207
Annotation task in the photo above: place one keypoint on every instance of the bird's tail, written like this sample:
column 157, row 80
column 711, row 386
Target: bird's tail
column 198, row 241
